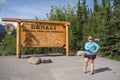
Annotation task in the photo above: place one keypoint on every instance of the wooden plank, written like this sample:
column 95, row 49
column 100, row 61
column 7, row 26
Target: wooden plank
column 42, row 37
column 34, row 21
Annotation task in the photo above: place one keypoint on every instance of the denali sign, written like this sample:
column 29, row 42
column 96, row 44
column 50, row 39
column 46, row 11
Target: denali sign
column 38, row 33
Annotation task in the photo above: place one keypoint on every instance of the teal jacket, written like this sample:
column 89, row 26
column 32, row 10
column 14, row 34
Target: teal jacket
column 92, row 48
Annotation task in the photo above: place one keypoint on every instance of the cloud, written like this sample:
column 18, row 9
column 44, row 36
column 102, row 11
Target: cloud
column 3, row 2
column 25, row 9
column 31, row 10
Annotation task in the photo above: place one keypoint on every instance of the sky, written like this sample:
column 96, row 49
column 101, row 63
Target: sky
column 28, row 9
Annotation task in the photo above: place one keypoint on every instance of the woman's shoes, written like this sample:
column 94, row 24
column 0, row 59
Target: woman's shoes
column 92, row 73
column 85, row 72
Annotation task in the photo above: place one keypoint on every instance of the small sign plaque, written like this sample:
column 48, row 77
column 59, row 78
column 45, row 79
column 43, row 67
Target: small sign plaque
column 9, row 28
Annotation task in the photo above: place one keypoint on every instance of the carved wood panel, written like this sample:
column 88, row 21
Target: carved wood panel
column 42, row 35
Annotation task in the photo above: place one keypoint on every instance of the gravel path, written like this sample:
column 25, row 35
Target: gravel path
column 62, row 68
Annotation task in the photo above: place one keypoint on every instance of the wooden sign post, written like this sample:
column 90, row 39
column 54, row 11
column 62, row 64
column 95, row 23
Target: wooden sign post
column 39, row 33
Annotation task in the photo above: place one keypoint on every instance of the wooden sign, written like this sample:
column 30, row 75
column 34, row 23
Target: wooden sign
column 38, row 33
column 42, row 35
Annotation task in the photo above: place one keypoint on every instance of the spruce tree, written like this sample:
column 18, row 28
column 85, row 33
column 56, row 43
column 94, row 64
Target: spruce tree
column 79, row 29
column 115, row 32
column 95, row 6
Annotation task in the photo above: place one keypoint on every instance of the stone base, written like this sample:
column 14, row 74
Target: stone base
column 34, row 60
column 80, row 53
column 46, row 61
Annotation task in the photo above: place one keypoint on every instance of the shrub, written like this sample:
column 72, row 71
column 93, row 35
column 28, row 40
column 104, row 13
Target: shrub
column 9, row 45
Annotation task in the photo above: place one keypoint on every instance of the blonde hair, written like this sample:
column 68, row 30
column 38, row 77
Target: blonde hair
column 90, row 37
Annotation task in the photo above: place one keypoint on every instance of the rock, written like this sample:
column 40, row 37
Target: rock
column 80, row 53
column 47, row 61
column 34, row 60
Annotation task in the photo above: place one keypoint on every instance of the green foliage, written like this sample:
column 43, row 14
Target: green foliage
column 111, row 40
column 8, row 46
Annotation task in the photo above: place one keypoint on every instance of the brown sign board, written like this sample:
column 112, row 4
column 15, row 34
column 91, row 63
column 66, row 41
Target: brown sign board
column 39, row 33
column 42, row 35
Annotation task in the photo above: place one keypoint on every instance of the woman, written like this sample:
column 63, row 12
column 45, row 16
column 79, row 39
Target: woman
column 91, row 49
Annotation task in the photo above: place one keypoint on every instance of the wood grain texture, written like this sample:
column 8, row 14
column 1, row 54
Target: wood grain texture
column 42, row 37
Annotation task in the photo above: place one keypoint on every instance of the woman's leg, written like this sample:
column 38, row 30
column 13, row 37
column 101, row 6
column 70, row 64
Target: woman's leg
column 85, row 64
column 92, row 65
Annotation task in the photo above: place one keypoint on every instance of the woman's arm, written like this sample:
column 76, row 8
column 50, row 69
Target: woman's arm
column 86, row 47
column 97, row 47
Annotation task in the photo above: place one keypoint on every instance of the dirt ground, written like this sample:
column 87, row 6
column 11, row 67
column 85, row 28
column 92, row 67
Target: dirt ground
column 61, row 68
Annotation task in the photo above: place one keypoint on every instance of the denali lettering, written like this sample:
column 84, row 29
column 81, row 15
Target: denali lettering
column 42, row 27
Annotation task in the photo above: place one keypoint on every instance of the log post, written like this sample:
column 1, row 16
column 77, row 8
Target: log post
column 67, row 41
column 18, row 48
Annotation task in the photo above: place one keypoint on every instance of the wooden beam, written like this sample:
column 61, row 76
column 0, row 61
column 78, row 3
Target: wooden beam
column 34, row 21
